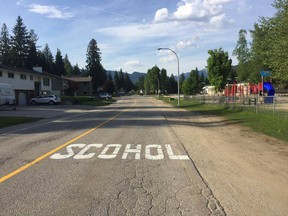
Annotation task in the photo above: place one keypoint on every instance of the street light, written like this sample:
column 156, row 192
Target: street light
column 178, row 71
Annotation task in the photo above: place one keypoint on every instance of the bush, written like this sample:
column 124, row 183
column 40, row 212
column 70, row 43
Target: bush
column 76, row 99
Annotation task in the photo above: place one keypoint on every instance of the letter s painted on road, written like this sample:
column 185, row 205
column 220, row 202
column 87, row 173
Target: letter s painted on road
column 69, row 154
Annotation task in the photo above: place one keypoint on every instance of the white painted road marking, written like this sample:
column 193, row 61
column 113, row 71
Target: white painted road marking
column 110, row 151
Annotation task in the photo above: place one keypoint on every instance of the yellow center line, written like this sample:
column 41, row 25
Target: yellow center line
column 6, row 177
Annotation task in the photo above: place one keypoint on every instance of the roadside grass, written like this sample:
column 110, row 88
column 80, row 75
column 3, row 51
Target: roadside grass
column 87, row 100
column 6, row 121
column 274, row 126
column 98, row 102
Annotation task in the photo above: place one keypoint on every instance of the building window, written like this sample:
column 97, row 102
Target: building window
column 11, row 75
column 23, row 76
column 31, row 77
column 46, row 81
column 1, row 74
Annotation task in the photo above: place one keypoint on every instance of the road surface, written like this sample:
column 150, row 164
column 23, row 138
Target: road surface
column 119, row 160
column 138, row 156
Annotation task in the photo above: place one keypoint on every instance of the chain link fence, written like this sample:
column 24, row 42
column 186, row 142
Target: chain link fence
column 258, row 104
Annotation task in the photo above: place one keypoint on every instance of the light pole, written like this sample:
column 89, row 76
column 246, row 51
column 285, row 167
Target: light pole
column 178, row 71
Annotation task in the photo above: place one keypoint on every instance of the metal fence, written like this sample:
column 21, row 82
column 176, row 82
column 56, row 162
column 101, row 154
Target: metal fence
column 258, row 104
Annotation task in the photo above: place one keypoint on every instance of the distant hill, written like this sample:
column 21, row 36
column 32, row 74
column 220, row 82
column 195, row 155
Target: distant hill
column 133, row 77
column 203, row 71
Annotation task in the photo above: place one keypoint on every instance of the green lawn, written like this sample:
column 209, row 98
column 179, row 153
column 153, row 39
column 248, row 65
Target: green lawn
column 9, row 121
column 97, row 102
column 274, row 126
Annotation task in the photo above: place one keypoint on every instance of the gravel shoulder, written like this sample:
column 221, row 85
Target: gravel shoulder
column 247, row 171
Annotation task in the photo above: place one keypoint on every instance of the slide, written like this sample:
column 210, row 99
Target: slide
column 270, row 92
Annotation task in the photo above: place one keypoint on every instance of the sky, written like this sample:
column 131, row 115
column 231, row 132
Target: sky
column 129, row 32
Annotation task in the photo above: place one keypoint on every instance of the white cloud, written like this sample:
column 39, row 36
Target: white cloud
column 161, row 15
column 169, row 56
column 215, row 2
column 167, row 59
column 187, row 43
column 50, row 10
column 133, row 63
column 196, row 9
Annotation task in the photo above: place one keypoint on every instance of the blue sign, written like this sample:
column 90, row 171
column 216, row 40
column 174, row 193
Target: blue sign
column 265, row 73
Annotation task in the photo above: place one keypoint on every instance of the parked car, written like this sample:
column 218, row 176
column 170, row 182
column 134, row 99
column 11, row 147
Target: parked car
column 46, row 99
column 105, row 96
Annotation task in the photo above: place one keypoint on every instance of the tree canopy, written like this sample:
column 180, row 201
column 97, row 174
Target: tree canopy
column 219, row 66
column 94, row 66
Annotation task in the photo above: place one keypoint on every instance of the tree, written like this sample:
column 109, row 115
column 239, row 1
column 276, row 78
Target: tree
column 128, row 83
column 46, row 59
column 219, row 66
column 243, row 55
column 277, row 38
column 153, row 78
column 181, row 80
column 110, row 77
column 163, row 80
column 116, row 81
column 68, row 66
column 19, row 44
column 172, row 85
column 140, row 83
column 4, row 45
column 59, row 68
column 94, row 65
column 191, row 86
column 76, row 70
column 32, row 58
column 121, row 80
column 109, row 85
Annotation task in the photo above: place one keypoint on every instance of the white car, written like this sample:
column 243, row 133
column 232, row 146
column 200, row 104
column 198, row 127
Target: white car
column 105, row 96
column 46, row 99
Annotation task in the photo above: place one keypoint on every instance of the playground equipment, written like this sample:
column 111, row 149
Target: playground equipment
column 264, row 90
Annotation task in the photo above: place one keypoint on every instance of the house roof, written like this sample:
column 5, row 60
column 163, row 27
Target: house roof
column 17, row 69
column 79, row 79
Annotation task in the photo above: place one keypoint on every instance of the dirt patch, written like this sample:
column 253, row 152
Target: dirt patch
column 247, row 171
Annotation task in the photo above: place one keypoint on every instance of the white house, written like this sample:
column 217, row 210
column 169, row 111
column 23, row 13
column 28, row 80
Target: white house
column 26, row 83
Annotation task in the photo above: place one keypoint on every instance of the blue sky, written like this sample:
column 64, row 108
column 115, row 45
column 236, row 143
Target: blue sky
column 128, row 32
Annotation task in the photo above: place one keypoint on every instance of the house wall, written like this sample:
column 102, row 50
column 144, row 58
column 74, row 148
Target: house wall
column 24, row 84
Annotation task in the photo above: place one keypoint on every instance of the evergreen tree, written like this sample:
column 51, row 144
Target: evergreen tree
column 121, row 80
column 173, row 85
column 181, row 80
column 109, row 84
column 76, row 70
column 116, row 81
column 4, row 45
column 59, row 68
column 68, row 66
column 19, row 44
column 128, row 83
column 163, row 80
column 110, row 77
column 94, row 65
column 32, row 59
column 46, row 59
column 191, row 85
column 140, row 83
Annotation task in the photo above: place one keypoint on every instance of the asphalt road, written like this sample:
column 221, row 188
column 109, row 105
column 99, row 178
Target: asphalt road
column 123, row 159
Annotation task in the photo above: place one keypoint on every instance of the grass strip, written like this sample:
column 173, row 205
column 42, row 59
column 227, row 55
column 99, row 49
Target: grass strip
column 6, row 121
column 272, row 125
